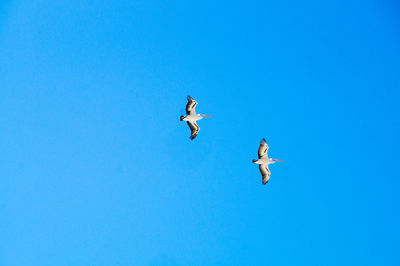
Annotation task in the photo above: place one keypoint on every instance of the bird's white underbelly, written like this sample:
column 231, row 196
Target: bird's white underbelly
column 192, row 118
column 263, row 161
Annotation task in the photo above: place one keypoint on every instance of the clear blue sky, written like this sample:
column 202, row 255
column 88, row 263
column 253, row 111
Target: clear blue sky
column 97, row 169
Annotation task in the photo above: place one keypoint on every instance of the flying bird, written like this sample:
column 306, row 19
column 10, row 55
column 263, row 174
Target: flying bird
column 263, row 161
column 191, row 117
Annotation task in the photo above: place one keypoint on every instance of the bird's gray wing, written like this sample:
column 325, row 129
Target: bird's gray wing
column 264, row 170
column 194, row 128
column 263, row 150
column 190, row 106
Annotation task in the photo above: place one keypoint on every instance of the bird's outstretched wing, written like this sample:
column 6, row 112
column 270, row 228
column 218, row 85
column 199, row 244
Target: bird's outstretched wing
column 264, row 170
column 194, row 128
column 263, row 150
column 190, row 106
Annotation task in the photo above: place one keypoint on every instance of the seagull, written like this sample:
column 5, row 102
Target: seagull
column 264, row 161
column 191, row 117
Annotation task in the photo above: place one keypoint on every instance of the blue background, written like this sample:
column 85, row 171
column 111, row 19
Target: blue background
column 97, row 169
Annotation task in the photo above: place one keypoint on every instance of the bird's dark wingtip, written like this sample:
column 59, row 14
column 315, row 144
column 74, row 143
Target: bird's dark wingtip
column 263, row 140
column 189, row 97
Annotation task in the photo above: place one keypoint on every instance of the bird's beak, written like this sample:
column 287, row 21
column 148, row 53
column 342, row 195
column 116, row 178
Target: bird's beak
column 206, row 115
column 277, row 160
